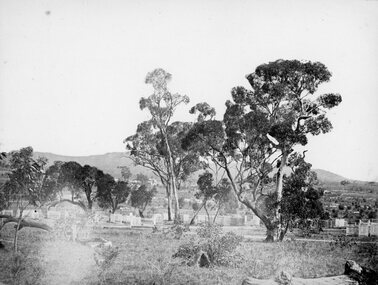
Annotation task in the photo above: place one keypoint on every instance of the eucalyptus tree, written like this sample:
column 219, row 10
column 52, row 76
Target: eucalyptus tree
column 86, row 179
column 111, row 193
column 141, row 197
column 210, row 190
column 68, row 177
column 151, row 145
column 301, row 195
column 261, row 127
column 25, row 187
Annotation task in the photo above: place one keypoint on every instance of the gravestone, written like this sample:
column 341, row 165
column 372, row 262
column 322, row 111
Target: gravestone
column 363, row 229
column 351, row 230
column 118, row 218
column 186, row 218
column 158, row 219
column 339, row 223
column 374, row 229
column 137, row 221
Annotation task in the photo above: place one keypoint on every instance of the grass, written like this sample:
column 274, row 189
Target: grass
column 146, row 258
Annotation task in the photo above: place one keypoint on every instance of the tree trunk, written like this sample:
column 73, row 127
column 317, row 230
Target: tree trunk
column 172, row 178
column 217, row 212
column 207, row 213
column 15, row 241
column 283, row 232
column 270, row 233
column 90, row 202
column 195, row 215
column 169, row 207
column 141, row 213
column 271, row 227
column 279, row 186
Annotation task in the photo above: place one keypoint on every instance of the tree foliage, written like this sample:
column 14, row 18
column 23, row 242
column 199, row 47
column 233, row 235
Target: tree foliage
column 301, row 194
column 211, row 191
column 111, row 193
column 26, row 186
column 156, row 144
column 142, row 197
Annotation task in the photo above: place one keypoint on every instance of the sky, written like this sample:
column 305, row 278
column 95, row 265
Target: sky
column 72, row 72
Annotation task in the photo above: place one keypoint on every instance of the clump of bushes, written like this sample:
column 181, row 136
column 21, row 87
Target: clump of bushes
column 210, row 246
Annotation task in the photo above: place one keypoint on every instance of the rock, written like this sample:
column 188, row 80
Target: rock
column 201, row 259
column 284, row 278
column 363, row 275
column 254, row 281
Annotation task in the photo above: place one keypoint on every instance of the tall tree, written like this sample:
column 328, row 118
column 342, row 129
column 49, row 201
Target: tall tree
column 162, row 105
column 260, row 129
column 147, row 148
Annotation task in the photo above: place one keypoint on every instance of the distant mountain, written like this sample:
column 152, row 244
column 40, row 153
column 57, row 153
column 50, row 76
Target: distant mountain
column 328, row 177
column 109, row 163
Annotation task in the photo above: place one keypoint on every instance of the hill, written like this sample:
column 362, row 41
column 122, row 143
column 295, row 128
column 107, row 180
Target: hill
column 109, row 163
column 328, row 177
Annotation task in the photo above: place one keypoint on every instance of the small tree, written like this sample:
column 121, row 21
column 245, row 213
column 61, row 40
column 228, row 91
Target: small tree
column 125, row 173
column 142, row 197
column 208, row 191
column 301, row 195
column 68, row 177
column 111, row 193
column 87, row 177
column 25, row 187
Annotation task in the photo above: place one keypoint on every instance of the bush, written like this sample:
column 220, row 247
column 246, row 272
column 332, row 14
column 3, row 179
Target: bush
column 218, row 246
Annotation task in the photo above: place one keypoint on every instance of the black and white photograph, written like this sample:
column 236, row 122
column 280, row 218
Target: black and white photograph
column 157, row 142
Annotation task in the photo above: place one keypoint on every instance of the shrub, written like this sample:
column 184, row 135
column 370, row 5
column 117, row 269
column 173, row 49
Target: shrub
column 219, row 247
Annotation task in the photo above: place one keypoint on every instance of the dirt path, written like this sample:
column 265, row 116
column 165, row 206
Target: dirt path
column 66, row 262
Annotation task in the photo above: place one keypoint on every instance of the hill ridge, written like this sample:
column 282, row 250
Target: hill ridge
column 109, row 162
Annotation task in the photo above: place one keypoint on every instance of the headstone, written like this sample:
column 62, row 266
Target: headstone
column 147, row 222
column 351, row 230
column 363, row 229
column 158, row 219
column 339, row 223
column 112, row 218
column 165, row 216
column 137, row 221
column 374, row 229
column 186, row 218
column 118, row 218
